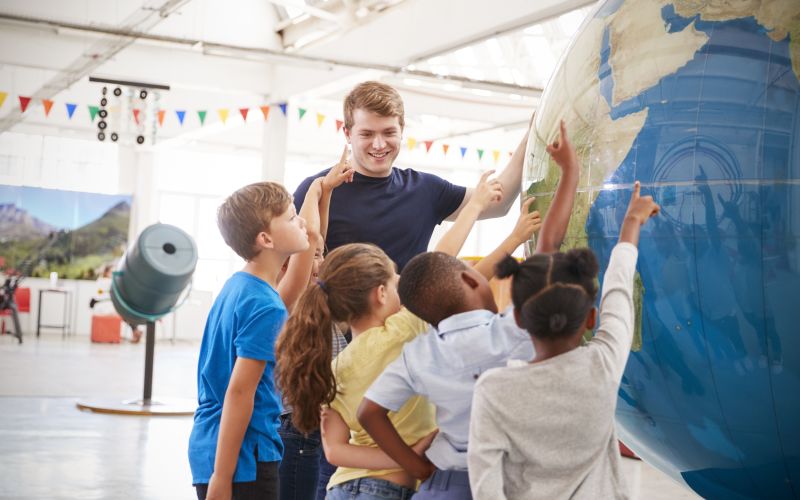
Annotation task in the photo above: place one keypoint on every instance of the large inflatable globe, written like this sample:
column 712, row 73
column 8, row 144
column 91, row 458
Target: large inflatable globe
column 700, row 101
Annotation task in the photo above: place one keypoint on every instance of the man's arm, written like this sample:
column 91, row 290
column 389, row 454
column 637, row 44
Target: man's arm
column 339, row 451
column 236, row 412
column 557, row 218
column 510, row 179
column 375, row 420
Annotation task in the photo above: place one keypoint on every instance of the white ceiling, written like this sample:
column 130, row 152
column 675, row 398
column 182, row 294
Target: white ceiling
column 216, row 54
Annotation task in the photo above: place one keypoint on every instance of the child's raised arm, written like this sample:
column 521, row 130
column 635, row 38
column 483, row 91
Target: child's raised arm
column 527, row 224
column 486, row 193
column 315, row 212
column 557, row 218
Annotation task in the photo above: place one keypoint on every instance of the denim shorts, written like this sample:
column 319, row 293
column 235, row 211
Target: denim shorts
column 369, row 488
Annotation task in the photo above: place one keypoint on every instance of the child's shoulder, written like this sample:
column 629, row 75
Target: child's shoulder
column 245, row 291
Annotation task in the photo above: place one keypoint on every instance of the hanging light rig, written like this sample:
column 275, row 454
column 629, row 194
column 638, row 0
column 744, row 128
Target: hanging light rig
column 134, row 105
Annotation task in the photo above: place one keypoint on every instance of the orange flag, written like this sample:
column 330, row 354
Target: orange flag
column 47, row 103
column 265, row 112
column 244, row 111
column 445, row 147
column 161, row 117
column 223, row 115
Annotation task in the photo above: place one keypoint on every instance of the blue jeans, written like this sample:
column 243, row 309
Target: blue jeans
column 299, row 470
column 326, row 470
column 446, row 485
column 369, row 488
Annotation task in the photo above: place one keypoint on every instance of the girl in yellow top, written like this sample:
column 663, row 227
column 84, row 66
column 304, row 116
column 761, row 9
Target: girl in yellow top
column 358, row 284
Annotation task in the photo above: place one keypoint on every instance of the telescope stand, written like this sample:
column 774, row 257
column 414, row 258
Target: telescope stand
column 147, row 405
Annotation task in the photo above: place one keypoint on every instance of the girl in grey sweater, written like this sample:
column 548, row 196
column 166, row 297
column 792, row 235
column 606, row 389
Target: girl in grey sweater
column 545, row 429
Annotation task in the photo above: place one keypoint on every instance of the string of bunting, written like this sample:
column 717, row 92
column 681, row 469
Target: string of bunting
column 224, row 114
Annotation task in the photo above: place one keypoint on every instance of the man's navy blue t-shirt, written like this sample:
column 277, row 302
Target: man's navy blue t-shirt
column 397, row 213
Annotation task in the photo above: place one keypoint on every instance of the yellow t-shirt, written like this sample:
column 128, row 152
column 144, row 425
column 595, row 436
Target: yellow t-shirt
column 357, row 367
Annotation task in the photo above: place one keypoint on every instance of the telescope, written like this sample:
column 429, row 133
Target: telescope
column 151, row 278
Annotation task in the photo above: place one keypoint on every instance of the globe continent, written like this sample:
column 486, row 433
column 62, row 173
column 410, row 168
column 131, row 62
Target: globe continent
column 700, row 101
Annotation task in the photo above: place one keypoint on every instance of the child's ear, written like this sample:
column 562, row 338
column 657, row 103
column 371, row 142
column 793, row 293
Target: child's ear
column 591, row 319
column 470, row 280
column 380, row 294
column 264, row 240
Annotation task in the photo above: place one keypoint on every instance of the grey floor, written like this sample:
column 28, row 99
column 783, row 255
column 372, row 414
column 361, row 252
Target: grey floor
column 51, row 450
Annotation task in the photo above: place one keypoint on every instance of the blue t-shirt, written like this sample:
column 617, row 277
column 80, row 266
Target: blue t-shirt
column 397, row 213
column 243, row 322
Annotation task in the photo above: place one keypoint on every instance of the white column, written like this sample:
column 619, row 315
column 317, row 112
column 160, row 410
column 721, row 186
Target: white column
column 274, row 145
column 137, row 177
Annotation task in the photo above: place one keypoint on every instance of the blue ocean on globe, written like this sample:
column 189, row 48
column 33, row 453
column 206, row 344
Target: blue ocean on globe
column 711, row 392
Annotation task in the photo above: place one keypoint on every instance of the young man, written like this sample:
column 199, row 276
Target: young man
column 395, row 209
column 470, row 338
column 234, row 448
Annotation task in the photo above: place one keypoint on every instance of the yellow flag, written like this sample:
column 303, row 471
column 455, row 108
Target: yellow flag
column 412, row 143
column 320, row 119
column 223, row 114
column 496, row 155
column 3, row 96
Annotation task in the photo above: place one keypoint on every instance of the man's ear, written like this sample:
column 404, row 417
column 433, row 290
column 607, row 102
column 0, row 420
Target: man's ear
column 346, row 134
column 591, row 319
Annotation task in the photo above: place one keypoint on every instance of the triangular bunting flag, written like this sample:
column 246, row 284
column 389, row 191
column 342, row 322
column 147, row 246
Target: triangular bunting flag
column 320, row 119
column 302, row 112
column 23, row 103
column 243, row 112
column 202, row 116
column 161, row 113
column 136, row 112
column 428, row 145
column 223, row 114
column 265, row 112
column 181, row 114
column 339, row 124
column 463, row 151
column 283, row 107
column 445, row 147
column 47, row 103
column 480, row 154
column 3, row 96
column 496, row 155
column 412, row 143
column 93, row 111
column 71, row 109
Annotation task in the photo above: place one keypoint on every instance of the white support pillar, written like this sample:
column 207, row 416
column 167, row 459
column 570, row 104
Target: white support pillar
column 137, row 177
column 274, row 145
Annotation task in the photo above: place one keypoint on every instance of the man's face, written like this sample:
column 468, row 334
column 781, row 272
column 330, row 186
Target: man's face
column 375, row 141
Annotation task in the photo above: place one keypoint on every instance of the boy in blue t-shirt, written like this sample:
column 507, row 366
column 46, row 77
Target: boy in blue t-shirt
column 234, row 448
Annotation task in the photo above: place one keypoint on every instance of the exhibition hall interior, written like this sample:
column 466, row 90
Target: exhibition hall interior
column 126, row 127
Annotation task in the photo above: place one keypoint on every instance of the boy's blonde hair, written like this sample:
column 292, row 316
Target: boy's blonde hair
column 377, row 97
column 248, row 212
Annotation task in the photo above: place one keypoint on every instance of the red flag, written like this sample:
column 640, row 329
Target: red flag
column 339, row 124
column 23, row 103
column 445, row 147
column 265, row 112
column 136, row 115
column 244, row 111
column 47, row 103
column 428, row 145
column 161, row 117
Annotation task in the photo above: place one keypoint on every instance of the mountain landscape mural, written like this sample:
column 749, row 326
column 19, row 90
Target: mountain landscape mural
column 71, row 233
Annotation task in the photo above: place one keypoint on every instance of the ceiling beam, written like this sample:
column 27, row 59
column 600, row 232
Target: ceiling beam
column 97, row 54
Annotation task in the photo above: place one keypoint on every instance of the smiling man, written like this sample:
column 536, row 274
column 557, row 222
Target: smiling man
column 396, row 209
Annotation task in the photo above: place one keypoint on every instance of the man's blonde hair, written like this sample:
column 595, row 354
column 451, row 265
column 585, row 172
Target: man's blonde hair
column 373, row 96
column 248, row 212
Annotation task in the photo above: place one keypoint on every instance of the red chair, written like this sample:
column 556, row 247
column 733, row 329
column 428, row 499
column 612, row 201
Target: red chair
column 22, row 297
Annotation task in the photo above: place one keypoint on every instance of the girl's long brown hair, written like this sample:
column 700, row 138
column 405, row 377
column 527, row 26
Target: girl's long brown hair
column 303, row 369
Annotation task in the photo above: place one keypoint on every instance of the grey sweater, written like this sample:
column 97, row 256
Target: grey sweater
column 546, row 430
